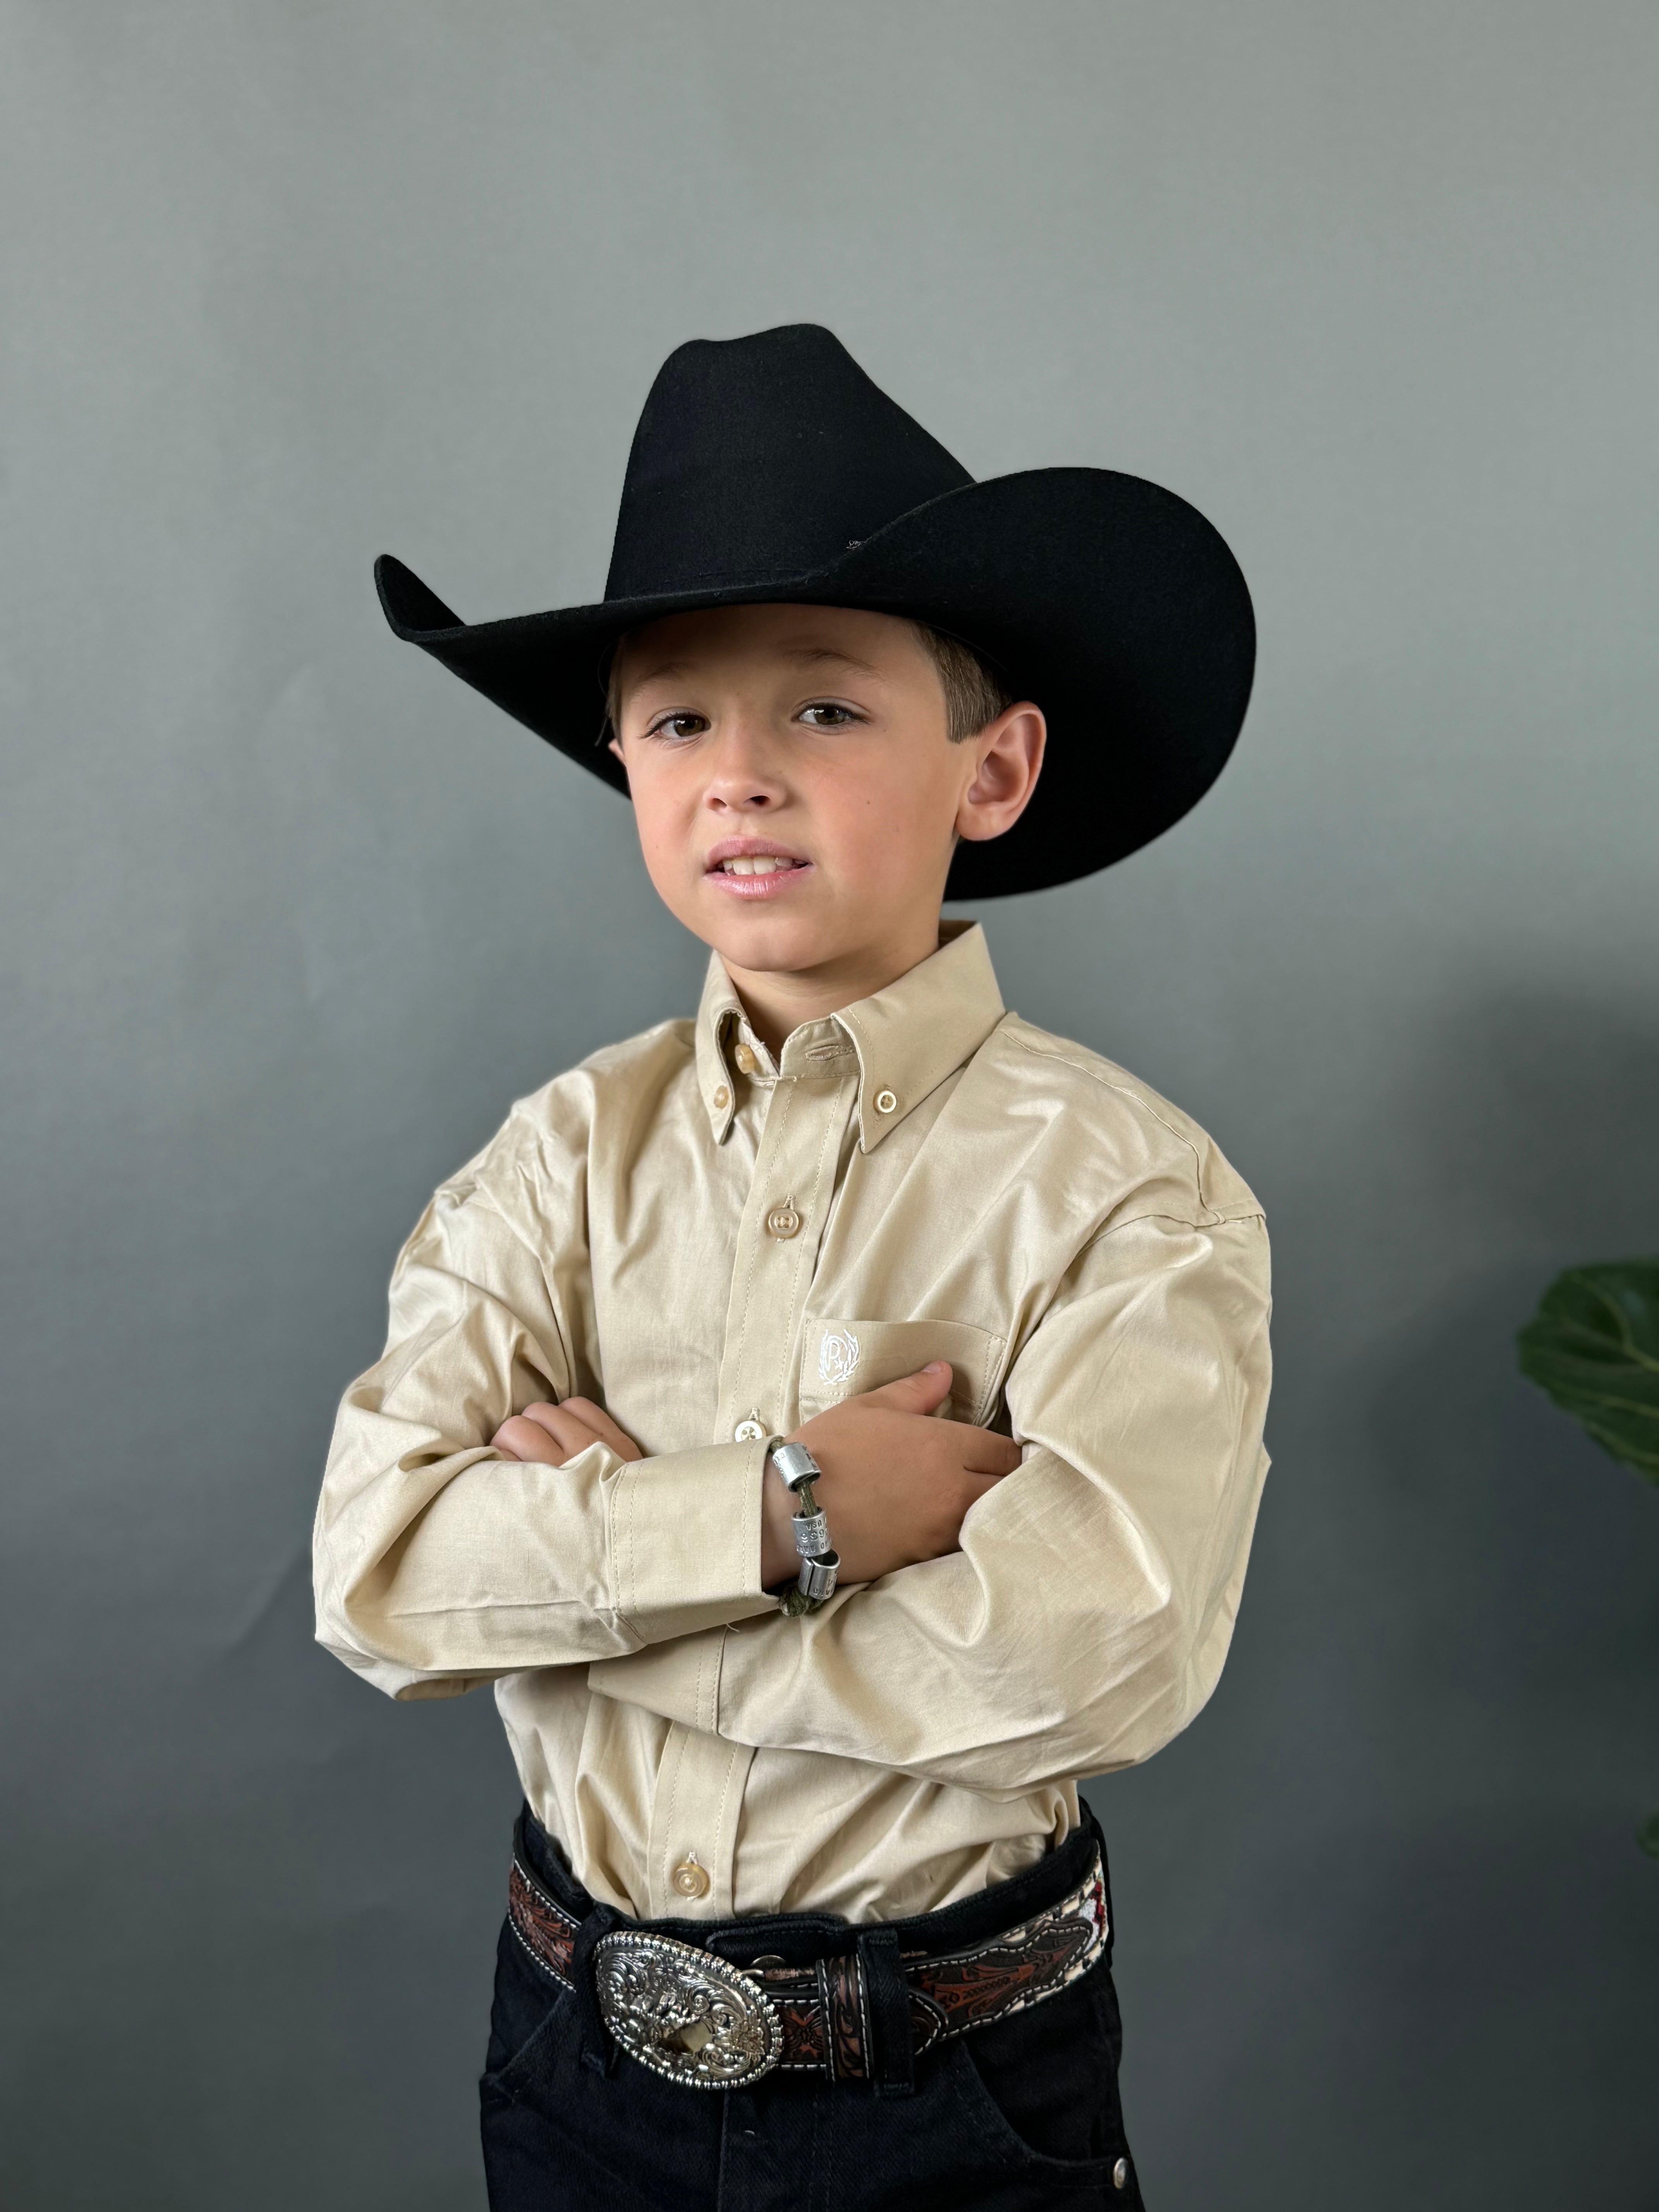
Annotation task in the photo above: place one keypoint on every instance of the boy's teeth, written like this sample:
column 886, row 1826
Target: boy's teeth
column 755, row 864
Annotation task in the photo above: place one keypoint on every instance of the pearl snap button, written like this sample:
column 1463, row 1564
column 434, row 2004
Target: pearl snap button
column 749, row 1429
column 1120, row 2175
column 690, row 1880
column 782, row 1221
column 722, row 1097
column 885, row 1101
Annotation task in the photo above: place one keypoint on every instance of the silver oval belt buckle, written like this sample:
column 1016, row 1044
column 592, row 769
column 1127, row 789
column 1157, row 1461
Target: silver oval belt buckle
column 688, row 2015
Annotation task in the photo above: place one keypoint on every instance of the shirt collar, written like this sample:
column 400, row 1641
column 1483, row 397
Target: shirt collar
column 908, row 1038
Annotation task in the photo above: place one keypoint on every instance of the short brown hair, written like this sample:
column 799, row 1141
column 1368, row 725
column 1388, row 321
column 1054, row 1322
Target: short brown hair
column 973, row 693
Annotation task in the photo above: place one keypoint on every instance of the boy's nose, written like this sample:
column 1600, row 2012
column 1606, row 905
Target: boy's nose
column 742, row 777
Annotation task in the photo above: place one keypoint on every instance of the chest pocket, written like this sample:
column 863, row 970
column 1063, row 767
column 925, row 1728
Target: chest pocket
column 843, row 1358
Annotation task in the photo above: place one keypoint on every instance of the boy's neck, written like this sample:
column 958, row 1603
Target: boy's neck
column 778, row 1000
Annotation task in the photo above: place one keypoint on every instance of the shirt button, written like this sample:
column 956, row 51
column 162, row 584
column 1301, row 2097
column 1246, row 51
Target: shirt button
column 749, row 1429
column 1120, row 2175
column 782, row 1221
column 885, row 1101
column 747, row 1060
column 722, row 1097
column 690, row 1881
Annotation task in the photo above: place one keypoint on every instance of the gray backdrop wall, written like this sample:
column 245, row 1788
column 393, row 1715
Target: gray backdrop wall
column 290, row 917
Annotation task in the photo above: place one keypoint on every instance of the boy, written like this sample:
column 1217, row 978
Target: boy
column 834, row 1424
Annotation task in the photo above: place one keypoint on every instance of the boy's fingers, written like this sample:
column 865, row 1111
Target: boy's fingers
column 593, row 1417
column 573, row 1426
column 985, row 1452
column 523, row 1438
column 914, row 1394
column 553, row 1434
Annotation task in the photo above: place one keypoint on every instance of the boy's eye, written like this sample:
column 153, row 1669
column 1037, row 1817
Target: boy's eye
column 826, row 715
column 678, row 726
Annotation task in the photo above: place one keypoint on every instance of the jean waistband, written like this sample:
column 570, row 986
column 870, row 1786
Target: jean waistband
column 799, row 1938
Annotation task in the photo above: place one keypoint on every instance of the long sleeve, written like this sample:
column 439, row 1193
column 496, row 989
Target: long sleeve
column 1086, row 1617
column 439, row 1564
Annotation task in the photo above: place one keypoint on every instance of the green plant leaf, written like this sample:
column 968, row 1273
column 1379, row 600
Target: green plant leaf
column 1594, row 1345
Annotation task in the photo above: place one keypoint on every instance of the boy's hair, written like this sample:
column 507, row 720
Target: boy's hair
column 973, row 693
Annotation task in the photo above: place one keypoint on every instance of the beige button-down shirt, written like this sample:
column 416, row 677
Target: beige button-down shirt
column 717, row 1247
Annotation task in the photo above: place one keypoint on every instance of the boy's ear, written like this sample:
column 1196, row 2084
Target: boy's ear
column 1008, row 760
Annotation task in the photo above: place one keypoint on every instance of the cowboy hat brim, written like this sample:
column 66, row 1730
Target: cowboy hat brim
column 1108, row 601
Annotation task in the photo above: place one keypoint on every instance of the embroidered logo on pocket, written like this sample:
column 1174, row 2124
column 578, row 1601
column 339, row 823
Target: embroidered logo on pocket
column 838, row 1355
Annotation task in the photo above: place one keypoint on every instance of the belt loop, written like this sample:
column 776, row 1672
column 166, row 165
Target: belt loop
column 599, row 2049
column 887, row 1995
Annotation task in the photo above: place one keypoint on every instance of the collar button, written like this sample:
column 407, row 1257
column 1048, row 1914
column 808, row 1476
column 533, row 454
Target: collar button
column 885, row 1101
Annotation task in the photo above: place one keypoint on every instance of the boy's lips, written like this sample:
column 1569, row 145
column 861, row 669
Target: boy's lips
column 753, row 867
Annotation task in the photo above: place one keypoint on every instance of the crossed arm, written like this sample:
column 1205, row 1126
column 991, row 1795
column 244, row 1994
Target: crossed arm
column 877, row 1524
column 1005, row 1619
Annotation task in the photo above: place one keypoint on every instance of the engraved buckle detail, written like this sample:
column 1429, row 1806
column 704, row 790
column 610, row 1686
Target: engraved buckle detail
column 688, row 2015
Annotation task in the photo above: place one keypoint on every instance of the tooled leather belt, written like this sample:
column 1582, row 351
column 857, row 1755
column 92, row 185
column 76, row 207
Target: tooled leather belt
column 699, row 2020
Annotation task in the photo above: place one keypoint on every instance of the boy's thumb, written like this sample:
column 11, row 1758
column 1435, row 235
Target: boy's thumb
column 928, row 1386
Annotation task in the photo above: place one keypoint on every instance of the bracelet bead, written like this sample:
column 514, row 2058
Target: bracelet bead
column 811, row 1534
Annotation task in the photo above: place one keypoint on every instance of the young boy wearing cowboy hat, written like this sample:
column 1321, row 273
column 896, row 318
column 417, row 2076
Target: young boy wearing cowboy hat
column 833, row 1424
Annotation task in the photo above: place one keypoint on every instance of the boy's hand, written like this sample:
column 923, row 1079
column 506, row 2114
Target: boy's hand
column 896, row 1483
column 553, row 1434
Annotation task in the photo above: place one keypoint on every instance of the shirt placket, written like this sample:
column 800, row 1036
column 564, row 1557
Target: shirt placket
column 700, row 1780
column 781, row 1232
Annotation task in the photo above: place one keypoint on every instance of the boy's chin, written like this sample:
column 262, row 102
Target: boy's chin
column 776, row 944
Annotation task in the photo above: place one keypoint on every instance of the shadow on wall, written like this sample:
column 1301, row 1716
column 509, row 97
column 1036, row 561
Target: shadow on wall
column 1526, row 1560
column 1386, row 1923
column 1517, row 1616
column 1545, row 1111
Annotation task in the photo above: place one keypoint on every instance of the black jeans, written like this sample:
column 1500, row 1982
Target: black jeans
column 1018, row 2116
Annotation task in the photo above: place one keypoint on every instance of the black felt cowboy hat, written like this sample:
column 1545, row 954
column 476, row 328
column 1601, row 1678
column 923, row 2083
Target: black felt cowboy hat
column 770, row 468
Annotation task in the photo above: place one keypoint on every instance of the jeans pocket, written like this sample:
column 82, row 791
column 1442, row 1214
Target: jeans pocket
column 525, row 2017
column 1040, row 2087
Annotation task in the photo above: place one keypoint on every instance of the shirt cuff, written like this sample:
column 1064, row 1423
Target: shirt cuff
column 685, row 1538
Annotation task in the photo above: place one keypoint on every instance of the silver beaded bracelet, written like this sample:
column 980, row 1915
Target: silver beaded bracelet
column 819, row 1562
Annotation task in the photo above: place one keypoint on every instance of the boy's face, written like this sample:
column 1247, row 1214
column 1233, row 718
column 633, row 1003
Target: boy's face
column 796, row 794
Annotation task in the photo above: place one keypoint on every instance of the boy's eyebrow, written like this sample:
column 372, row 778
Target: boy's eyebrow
column 808, row 653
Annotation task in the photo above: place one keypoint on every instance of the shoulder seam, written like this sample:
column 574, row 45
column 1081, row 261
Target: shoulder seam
column 1135, row 1097
column 1244, row 1215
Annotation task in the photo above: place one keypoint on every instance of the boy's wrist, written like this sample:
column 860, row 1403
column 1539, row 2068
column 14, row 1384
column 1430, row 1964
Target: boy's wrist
column 794, row 1470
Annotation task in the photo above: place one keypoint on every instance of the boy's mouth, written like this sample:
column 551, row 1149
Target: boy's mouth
column 752, row 868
